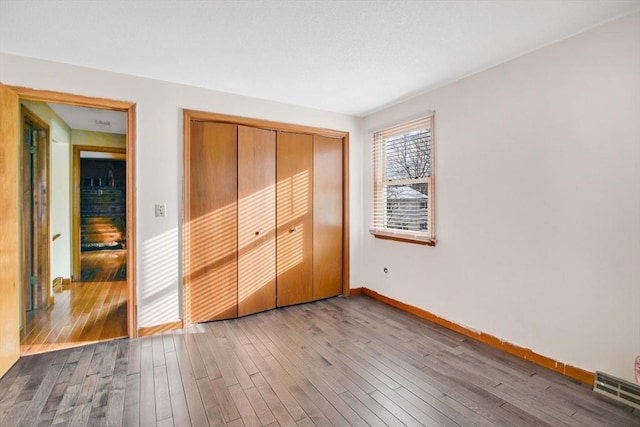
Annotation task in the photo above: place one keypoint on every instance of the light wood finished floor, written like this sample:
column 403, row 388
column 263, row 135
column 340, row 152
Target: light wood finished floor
column 339, row 362
column 84, row 312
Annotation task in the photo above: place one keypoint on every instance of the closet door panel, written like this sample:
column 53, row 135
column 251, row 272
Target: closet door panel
column 294, row 218
column 211, row 250
column 327, row 217
column 256, row 220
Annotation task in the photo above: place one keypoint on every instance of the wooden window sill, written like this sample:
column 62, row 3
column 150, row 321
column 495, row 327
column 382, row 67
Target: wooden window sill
column 405, row 239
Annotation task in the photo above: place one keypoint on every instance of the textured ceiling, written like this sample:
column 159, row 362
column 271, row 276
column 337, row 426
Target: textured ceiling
column 352, row 57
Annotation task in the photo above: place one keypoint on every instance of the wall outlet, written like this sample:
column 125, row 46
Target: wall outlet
column 161, row 210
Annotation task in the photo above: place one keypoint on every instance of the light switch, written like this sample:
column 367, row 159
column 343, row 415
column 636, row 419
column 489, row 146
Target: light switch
column 161, row 210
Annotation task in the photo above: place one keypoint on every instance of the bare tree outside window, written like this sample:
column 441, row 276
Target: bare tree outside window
column 408, row 157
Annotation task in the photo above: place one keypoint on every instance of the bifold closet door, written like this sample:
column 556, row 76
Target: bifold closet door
column 256, row 220
column 211, row 252
column 327, row 217
column 294, row 209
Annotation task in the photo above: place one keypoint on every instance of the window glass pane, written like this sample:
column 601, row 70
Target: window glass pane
column 408, row 156
column 406, row 207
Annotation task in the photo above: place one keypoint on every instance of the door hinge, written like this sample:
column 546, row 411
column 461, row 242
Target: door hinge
column 33, row 280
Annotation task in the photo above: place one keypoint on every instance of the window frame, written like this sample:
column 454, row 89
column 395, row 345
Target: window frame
column 379, row 227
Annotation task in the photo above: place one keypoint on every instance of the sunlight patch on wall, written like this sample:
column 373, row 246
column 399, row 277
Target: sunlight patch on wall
column 158, row 300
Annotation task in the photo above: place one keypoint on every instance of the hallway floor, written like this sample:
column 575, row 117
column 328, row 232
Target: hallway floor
column 89, row 311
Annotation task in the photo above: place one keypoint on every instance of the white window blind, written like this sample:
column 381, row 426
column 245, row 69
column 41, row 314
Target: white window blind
column 403, row 181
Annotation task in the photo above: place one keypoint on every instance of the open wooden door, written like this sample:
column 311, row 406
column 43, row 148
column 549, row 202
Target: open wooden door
column 36, row 282
column 9, row 228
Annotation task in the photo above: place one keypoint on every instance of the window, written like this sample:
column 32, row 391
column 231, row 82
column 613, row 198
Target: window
column 403, row 198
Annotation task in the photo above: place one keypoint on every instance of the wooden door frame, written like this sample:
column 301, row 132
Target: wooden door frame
column 194, row 115
column 75, row 202
column 129, row 108
column 42, row 224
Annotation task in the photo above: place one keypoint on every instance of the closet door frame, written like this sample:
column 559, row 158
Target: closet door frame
column 193, row 115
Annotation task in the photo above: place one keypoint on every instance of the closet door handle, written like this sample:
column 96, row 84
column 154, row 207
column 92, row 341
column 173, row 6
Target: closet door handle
column 291, row 230
column 258, row 233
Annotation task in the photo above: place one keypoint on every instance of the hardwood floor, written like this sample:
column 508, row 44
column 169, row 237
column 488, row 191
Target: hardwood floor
column 84, row 312
column 352, row 361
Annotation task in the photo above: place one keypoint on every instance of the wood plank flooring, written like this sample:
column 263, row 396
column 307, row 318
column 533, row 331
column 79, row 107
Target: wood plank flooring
column 340, row 362
column 84, row 312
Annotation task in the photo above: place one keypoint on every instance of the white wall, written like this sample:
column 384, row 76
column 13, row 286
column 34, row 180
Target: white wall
column 60, row 182
column 538, row 202
column 60, row 185
column 159, row 161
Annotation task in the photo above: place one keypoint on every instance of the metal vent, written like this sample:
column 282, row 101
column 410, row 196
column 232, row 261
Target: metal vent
column 617, row 389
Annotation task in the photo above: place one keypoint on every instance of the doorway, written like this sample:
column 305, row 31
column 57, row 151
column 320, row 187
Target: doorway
column 117, row 292
column 99, row 211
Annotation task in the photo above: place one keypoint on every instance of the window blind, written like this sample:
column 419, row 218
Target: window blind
column 403, row 182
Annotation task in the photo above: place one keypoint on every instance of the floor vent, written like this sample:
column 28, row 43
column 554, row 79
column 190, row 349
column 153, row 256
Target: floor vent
column 615, row 388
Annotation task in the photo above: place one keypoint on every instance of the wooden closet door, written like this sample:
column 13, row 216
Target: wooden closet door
column 294, row 218
column 211, row 251
column 256, row 220
column 327, row 217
